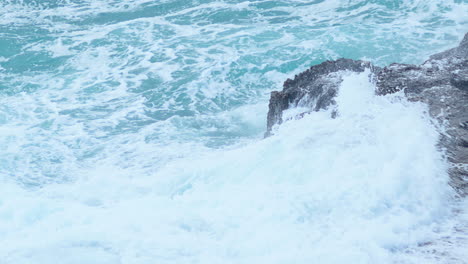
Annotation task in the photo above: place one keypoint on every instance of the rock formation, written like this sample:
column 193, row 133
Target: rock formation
column 441, row 82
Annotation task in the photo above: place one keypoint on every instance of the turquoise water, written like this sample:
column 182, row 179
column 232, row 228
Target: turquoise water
column 108, row 104
column 182, row 68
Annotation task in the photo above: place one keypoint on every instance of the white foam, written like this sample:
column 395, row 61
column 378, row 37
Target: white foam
column 113, row 171
column 359, row 188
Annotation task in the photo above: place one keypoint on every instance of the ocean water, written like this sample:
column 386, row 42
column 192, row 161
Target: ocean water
column 132, row 132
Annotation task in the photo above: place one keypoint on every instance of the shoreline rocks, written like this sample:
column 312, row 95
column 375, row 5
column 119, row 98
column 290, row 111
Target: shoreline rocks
column 441, row 82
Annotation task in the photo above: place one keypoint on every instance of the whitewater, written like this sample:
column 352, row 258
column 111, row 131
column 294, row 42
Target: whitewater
column 132, row 132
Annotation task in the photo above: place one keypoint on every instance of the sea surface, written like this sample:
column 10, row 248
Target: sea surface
column 131, row 132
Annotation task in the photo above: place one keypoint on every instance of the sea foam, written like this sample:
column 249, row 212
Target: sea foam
column 359, row 188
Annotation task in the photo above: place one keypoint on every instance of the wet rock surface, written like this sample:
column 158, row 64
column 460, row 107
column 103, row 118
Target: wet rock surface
column 441, row 82
column 315, row 88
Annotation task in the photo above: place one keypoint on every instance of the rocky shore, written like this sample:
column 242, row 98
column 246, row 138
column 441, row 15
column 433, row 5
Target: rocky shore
column 441, row 82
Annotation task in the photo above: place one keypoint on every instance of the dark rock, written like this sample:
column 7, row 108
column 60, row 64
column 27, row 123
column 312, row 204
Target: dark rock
column 441, row 82
column 314, row 88
column 460, row 81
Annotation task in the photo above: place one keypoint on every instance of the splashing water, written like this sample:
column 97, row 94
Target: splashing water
column 131, row 133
